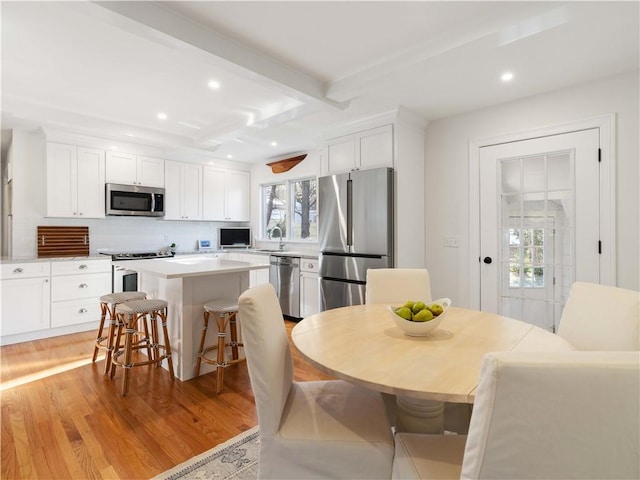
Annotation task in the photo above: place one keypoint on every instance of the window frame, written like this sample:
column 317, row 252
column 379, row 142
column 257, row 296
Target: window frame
column 289, row 210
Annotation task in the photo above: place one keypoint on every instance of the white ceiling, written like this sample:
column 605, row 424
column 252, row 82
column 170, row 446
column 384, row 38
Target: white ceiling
column 289, row 71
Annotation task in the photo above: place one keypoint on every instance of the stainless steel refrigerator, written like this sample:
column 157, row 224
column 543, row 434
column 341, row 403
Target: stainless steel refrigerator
column 355, row 232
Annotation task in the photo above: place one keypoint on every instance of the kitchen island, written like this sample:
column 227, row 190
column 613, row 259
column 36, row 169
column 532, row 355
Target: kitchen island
column 187, row 283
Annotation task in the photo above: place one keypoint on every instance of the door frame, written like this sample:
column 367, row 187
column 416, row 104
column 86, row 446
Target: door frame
column 607, row 128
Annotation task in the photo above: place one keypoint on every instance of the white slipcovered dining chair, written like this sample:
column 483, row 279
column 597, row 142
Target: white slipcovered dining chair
column 559, row 415
column 397, row 285
column 601, row 317
column 321, row 429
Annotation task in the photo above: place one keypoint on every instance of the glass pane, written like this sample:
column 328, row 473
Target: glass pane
column 534, row 311
column 533, row 174
column 510, row 173
column 561, row 204
column 511, row 208
column 511, row 307
column 275, row 211
column 305, row 222
column 559, row 171
column 534, row 209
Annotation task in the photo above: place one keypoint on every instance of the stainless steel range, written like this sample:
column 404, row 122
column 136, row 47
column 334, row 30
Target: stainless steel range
column 124, row 279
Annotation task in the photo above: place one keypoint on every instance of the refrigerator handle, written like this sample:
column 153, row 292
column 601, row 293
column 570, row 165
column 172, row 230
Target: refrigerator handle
column 349, row 212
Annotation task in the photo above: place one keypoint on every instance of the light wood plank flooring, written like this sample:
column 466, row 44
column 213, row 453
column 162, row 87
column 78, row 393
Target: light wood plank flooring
column 62, row 419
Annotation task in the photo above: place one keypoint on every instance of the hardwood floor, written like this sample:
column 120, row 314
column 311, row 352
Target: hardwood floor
column 62, row 419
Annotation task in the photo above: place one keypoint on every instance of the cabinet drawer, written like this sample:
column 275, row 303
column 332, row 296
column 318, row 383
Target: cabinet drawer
column 80, row 266
column 73, row 312
column 69, row 287
column 309, row 265
column 25, row 270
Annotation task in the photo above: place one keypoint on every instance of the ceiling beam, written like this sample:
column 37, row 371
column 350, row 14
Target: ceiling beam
column 159, row 23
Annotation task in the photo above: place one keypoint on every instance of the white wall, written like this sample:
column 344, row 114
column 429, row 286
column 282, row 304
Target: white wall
column 447, row 172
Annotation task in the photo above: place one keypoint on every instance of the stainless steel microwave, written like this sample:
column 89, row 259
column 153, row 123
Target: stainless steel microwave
column 134, row 200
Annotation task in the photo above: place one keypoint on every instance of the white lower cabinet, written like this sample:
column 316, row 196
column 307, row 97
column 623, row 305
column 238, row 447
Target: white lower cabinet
column 76, row 288
column 309, row 287
column 25, row 298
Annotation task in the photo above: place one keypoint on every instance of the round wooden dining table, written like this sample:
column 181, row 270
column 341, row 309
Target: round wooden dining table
column 362, row 344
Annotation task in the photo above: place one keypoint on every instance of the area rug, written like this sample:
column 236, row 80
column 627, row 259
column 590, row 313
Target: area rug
column 235, row 459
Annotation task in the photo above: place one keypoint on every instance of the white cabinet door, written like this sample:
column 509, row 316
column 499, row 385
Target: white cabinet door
column 90, row 182
column 238, row 186
column 375, row 148
column 121, row 168
column 341, row 154
column 213, row 193
column 192, row 192
column 130, row 169
column 183, row 191
column 309, row 287
column 360, row 151
column 62, row 180
column 309, row 294
column 150, row 171
column 172, row 190
column 226, row 195
column 25, row 305
column 75, row 181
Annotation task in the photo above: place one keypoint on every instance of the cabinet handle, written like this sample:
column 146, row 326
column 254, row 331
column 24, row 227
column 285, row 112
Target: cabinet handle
column 83, row 285
column 82, row 267
column 18, row 270
column 43, row 240
column 83, row 310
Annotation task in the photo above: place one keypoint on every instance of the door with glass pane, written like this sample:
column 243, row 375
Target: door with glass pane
column 539, row 224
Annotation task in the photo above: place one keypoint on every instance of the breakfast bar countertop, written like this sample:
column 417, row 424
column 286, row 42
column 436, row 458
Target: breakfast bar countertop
column 192, row 266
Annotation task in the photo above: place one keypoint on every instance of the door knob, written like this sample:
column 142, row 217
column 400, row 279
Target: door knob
column 487, row 260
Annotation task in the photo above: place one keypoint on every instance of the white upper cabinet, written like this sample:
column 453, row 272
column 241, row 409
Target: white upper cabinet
column 129, row 169
column 363, row 150
column 183, row 191
column 75, row 181
column 226, row 195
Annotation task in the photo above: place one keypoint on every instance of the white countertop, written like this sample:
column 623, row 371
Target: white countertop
column 192, row 266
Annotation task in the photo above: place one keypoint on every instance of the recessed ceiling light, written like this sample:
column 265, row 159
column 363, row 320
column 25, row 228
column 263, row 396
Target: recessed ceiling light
column 162, row 116
column 229, row 156
column 214, row 84
column 507, row 77
column 274, row 144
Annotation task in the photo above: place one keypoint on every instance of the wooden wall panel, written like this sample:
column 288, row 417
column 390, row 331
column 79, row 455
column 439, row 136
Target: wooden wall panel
column 63, row 241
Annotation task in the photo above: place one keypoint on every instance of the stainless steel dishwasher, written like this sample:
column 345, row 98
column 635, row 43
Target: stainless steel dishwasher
column 284, row 275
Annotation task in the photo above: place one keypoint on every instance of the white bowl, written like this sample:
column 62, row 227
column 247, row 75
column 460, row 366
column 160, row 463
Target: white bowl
column 420, row 329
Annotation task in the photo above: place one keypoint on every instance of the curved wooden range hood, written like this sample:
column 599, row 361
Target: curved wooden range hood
column 286, row 164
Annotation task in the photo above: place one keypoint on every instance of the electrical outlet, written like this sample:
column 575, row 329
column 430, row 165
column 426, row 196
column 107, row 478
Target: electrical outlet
column 451, row 242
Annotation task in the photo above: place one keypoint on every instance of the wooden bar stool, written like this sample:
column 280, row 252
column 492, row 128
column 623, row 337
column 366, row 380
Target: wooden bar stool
column 224, row 312
column 129, row 315
column 108, row 304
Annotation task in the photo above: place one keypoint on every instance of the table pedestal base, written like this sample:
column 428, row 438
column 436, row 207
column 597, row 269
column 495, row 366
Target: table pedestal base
column 419, row 416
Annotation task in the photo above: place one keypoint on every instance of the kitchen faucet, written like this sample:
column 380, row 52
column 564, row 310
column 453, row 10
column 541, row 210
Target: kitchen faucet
column 281, row 244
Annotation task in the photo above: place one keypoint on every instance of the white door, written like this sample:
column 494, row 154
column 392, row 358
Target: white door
column 539, row 224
